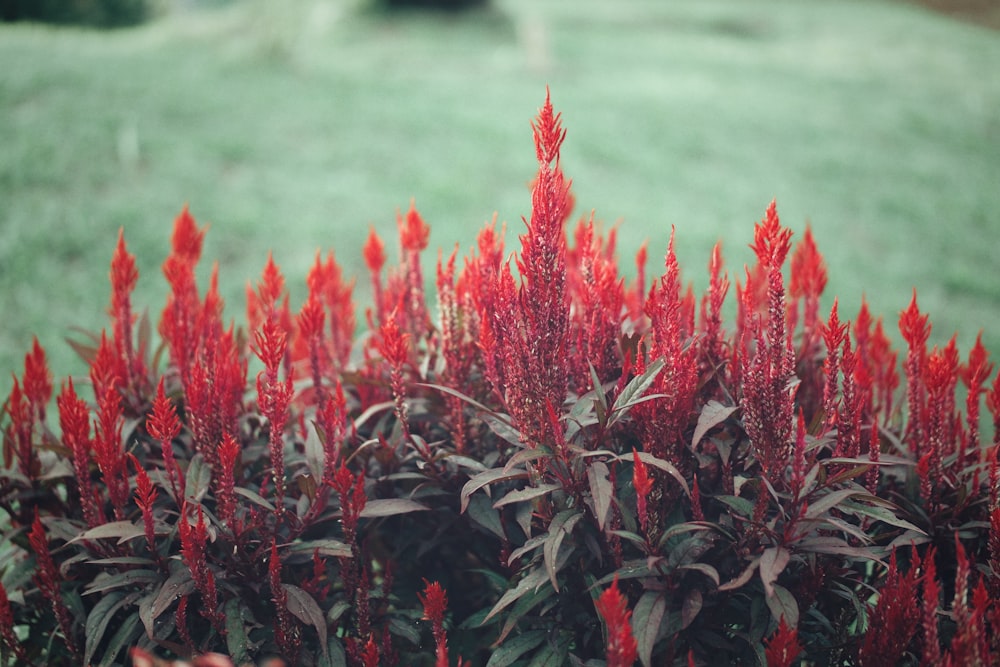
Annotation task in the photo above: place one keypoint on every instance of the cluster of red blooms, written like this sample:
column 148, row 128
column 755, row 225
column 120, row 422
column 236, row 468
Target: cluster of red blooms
column 564, row 324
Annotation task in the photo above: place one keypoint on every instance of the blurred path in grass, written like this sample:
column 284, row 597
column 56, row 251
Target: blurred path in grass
column 294, row 127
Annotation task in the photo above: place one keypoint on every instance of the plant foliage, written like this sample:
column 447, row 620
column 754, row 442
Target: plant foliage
column 560, row 466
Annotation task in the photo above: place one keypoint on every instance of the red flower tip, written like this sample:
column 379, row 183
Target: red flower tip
column 783, row 646
column 914, row 326
column 771, row 240
column 187, row 238
column 393, row 344
column 808, row 268
column 374, row 252
column 123, row 271
column 413, row 233
column 613, row 608
column 270, row 342
column 37, row 378
column 975, row 373
column 163, row 423
column 434, row 600
column 272, row 284
column 548, row 132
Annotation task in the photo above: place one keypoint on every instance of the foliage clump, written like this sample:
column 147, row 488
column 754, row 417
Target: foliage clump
column 561, row 467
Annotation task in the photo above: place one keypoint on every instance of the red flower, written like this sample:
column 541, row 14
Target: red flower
column 48, row 580
column 613, row 608
column 643, row 486
column 783, row 646
column 435, row 603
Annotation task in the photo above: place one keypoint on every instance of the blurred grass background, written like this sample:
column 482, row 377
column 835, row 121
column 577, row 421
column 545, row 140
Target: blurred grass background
column 294, row 126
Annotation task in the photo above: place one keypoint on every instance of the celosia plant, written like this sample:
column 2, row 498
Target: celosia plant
column 562, row 467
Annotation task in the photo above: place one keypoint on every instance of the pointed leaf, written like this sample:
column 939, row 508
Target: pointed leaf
column 691, row 607
column 123, row 530
column 783, row 605
column 529, row 493
column 106, row 582
column 598, row 476
column 481, row 511
column 713, row 414
column 743, row 578
column 254, row 497
column 126, row 635
column 486, row 478
column 390, row 507
column 647, row 618
column 237, row 642
column 304, row 607
column 177, row 584
column 199, row 476
column 773, row 562
column 634, row 390
column 97, row 622
column 325, row 547
column 561, row 526
column 508, row 652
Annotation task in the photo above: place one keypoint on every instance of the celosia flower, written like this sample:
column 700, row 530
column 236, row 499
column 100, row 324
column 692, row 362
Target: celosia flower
column 48, row 580
column 145, row 497
column 7, row 634
column 894, row 620
column 286, row 631
column 435, row 603
column 643, row 487
column 621, row 644
column 783, row 646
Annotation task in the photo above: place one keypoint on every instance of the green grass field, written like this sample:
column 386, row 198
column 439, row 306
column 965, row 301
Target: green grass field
column 295, row 130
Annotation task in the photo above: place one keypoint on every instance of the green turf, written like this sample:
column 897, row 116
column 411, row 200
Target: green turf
column 295, row 130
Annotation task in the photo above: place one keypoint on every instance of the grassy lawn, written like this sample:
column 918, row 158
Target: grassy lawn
column 294, row 131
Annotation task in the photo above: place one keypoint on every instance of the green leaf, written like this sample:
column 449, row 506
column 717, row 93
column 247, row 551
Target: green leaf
column 704, row 568
column 522, row 607
column 304, row 607
column 713, row 414
column 390, row 507
column 504, row 429
column 527, row 454
column 598, row 477
column 325, row 547
column 403, row 628
column 125, row 636
column 98, row 619
column 177, row 584
column 485, row 479
column 783, row 604
column 743, row 506
column 832, row 499
column 743, row 578
column 123, row 530
column 237, row 642
column 508, row 653
column 254, row 498
column 691, row 607
column 199, row 476
column 106, row 582
column 773, row 562
column 529, row 493
column 561, row 526
column 552, row 654
column 335, row 655
column 633, row 391
column 647, row 617
column 457, row 394
column 481, row 511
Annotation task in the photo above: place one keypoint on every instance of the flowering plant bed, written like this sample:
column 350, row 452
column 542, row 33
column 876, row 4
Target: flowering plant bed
column 560, row 467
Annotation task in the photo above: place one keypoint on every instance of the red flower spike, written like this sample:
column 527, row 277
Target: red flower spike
column 124, row 276
column 285, row 631
column 7, row 635
column 643, row 484
column 413, row 232
column 974, row 375
column 370, row 657
column 833, row 335
column 229, row 452
column 621, row 644
column 435, row 603
column 931, row 652
column 164, row 425
column 74, row 422
column 48, row 580
column 374, row 252
column 20, row 432
column 187, row 238
column 808, row 280
column 37, row 379
column 783, row 646
column 145, row 497
column 108, row 451
column 894, row 620
column 548, row 132
column 916, row 330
